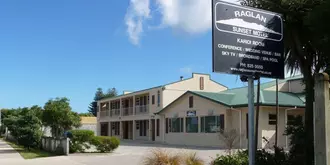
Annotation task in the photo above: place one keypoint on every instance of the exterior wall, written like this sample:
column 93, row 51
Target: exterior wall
column 203, row 108
column 266, row 130
column 296, row 86
column 283, row 87
column 91, row 127
column 173, row 91
column 167, row 95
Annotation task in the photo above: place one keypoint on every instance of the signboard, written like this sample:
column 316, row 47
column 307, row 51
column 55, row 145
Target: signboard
column 191, row 113
column 247, row 41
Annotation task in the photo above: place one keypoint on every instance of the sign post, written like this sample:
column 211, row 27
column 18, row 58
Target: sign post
column 247, row 42
column 251, row 120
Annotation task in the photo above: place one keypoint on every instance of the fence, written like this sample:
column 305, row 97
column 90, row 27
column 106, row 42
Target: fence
column 55, row 145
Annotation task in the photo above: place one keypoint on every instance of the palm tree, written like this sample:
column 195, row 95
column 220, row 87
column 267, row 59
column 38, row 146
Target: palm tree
column 301, row 50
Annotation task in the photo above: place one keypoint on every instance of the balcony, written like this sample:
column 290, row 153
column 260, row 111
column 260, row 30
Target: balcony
column 114, row 112
column 127, row 111
column 142, row 109
column 104, row 113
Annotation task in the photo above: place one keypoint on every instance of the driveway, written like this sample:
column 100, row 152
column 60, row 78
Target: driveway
column 131, row 153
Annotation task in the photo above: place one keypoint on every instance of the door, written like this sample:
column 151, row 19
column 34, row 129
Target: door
column 104, row 129
column 125, row 130
column 153, row 129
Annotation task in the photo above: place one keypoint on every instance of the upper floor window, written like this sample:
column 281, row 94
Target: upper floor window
column 158, row 98
column 201, row 83
column 153, row 99
column 191, row 102
column 272, row 119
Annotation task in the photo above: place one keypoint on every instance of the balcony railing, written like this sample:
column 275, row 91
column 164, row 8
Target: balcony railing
column 127, row 111
column 142, row 109
column 105, row 113
column 114, row 112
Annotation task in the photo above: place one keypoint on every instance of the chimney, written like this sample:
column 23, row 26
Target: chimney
column 181, row 78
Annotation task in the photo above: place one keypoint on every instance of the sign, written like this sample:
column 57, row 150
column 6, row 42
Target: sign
column 191, row 113
column 247, row 41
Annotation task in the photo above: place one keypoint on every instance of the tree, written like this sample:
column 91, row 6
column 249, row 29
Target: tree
column 25, row 127
column 230, row 137
column 29, row 129
column 303, row 49
column 92, row 108
column 59, row 117
column 111, row 93
column 98, row 94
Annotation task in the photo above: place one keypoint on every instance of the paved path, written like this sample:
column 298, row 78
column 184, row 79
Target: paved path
column 7, row 152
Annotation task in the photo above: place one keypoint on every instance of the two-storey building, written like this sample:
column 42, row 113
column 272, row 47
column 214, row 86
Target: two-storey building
column 132, row 115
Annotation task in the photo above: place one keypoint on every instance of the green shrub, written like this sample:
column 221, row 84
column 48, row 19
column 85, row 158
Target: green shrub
column 105, row 143
column 79, row 139
column 279, row 157
column 239, row 158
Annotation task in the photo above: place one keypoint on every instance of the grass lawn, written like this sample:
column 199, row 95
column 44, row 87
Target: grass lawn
column 30, row 154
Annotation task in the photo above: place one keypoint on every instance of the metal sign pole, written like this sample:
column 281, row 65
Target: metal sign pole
column 251, row 120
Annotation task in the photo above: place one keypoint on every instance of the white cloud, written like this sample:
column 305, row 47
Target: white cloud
column 190, row 16
column 138, row 11
column 186, row 70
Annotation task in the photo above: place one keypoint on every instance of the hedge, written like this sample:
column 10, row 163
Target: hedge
column 79, row 140
column 105, row 143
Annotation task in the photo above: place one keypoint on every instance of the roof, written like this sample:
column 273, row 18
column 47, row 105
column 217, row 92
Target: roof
column 161, row 86
column 88, row 120
column 237, row 97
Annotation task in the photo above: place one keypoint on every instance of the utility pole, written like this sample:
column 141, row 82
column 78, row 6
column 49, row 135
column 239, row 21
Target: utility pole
column 251, row 150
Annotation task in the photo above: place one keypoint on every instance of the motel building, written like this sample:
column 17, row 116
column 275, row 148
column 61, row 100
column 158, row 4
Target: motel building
column 192, row 111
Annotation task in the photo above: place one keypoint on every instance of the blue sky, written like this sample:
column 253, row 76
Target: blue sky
column 68, row 49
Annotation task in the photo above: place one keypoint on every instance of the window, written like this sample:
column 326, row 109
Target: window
column 293, row 118
column 212, row 124
column 192, row 124
column 157, row 123
column 158, row 98
column 145, row 100
column 115, row 128
column 166, row 125
column 174, row 125
column 191, row 101
column 272, row 119
column 137, row 101
column 137, row 123
column 201, row 83
column 143, row 127
column 153, row 99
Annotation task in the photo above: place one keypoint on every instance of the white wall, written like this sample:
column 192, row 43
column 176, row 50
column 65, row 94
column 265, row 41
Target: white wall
column 202, row 107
